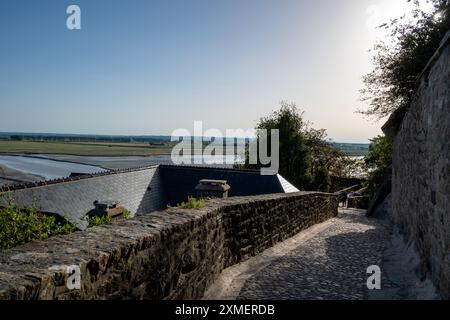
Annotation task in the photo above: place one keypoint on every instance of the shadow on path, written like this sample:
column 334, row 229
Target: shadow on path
column 330, row 266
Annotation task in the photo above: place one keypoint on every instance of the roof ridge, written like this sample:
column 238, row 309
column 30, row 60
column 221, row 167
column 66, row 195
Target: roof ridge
column 209, row 167
column 108, row 172
column 43, row 183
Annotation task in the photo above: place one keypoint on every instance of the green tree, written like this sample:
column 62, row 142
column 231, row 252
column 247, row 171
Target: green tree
column 306, row 157
column 379, row 155
column 295, row 156
column 399, row 61
column 324, row 156
column 378, row 163
column 321, row 180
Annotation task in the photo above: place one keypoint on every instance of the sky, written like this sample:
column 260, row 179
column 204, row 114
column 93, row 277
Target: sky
column 150, row 67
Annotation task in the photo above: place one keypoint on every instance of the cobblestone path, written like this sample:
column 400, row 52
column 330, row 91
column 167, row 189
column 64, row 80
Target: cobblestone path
column 330, row 265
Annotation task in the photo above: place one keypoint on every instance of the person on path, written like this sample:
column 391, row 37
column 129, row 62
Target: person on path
column 343, row 197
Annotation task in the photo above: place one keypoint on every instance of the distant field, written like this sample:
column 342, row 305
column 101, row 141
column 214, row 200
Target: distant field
column 83, row 149
column 119, row 148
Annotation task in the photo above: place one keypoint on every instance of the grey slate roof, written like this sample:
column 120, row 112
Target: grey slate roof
column 138, row 191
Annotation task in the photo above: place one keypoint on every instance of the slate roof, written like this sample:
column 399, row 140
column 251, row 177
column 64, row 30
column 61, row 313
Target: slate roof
column 286, row 185
column 139, row 191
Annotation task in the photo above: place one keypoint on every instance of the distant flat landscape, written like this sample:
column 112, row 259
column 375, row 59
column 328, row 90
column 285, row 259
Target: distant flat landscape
column 82, row 148
column 27, row 157
column 113, row 146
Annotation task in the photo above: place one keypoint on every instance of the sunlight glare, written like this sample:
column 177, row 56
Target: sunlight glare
column 385, row 11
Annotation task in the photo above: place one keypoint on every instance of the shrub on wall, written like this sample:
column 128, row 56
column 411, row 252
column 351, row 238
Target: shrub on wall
column 193, row 203
column 19, row 226
column 98, row 220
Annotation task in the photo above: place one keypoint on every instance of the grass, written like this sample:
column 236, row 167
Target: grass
column 98, row 221
column 126, row 214
column 83, row 149
column 101, row 220
column 193, row 203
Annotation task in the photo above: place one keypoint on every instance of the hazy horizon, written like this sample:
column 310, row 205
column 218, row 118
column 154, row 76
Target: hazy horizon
column 148, row 68
column 145, row 135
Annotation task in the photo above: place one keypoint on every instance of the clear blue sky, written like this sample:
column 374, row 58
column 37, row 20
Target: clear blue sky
column 149, row 67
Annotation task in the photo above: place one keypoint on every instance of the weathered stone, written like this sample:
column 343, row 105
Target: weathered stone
column 173, row 254
column 421, row 175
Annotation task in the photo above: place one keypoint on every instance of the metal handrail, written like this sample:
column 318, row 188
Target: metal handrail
column 347, row 189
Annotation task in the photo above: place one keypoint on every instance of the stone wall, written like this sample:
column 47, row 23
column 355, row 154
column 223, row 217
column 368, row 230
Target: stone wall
column 421, row 169
column 174, row 254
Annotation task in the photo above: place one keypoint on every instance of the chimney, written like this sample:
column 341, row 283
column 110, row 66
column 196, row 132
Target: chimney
column 212, row 189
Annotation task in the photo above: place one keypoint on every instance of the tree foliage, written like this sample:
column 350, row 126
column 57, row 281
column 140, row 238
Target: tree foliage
column 324, row 156
column 307, row 159
column 398, row 63
column 295, row 157
column 378, row 162
column 379, row 155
